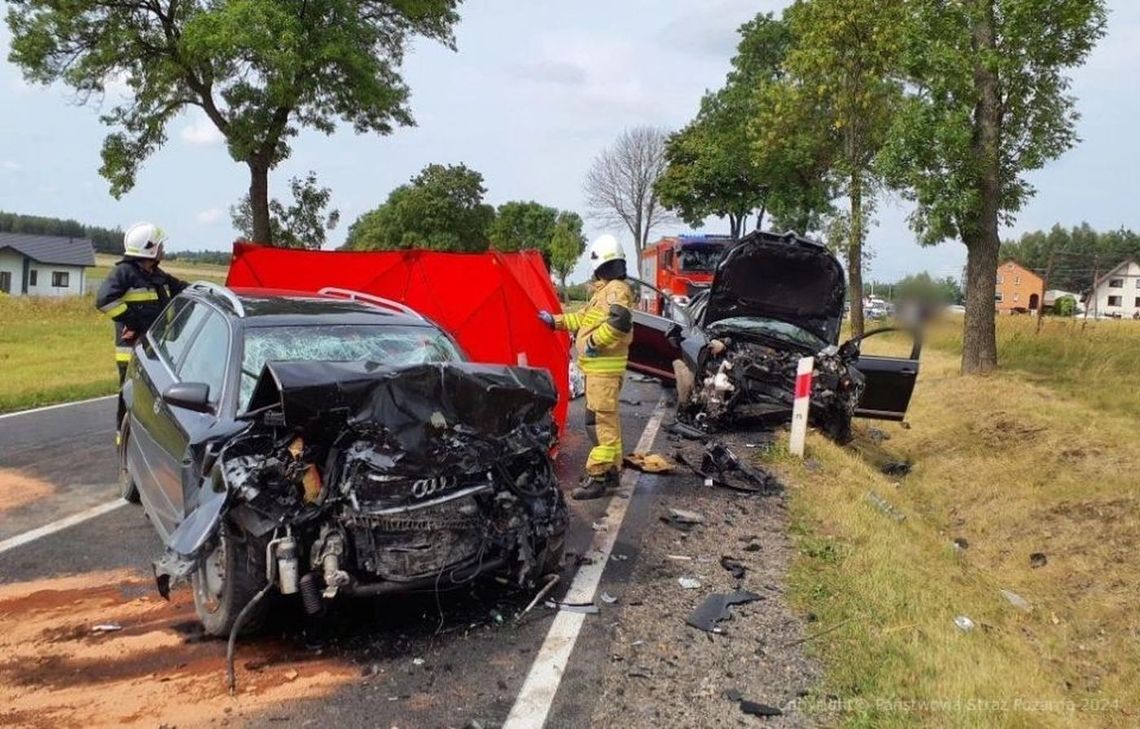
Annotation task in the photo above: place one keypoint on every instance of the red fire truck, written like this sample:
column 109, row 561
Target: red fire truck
column 680, row 266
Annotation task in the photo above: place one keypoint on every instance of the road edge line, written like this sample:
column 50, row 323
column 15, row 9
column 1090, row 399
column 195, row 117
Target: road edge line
column 58, row 405
column 57, row 526
column 535, row 698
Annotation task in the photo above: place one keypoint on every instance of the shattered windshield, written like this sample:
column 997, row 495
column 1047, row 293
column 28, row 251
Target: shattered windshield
column 700, row 258
column 393, row 346
column 774, row 328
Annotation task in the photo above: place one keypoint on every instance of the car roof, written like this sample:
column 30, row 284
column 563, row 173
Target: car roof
column 280, row 307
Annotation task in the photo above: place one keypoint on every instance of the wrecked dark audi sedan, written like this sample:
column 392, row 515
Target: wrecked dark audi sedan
column 734, row 349
column 332, row 444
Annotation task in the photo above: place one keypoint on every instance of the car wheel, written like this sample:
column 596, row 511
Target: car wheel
column 228, row 576
column 128, row 489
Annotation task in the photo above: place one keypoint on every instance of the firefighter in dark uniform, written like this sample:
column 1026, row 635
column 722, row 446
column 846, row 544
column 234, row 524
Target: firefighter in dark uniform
column 134, row 294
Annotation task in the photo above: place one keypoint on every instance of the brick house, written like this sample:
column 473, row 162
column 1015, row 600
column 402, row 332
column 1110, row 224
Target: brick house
column 1018, row 289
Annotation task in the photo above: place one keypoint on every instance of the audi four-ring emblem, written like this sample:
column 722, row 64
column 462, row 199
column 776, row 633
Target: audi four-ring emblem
column 427, row 486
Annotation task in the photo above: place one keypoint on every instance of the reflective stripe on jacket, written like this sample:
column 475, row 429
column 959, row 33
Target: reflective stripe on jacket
column 605, row 326
column 133, row 299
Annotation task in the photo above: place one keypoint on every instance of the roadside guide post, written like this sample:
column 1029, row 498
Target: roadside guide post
column 800, row 406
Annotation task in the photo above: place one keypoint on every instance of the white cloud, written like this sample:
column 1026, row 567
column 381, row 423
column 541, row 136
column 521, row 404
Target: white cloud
column 201, row 133
column 10, row 166
column 210, row 216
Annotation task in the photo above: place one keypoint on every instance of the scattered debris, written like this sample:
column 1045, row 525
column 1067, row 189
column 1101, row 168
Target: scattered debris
column 715, row 608
column 755, row 708
column 688, row 583
column 881, row 504
column 649, row 463
column 679, row 557
column 960, row 543
column 1016, row 600
column 640, row 672
column 577, row 381
column 551, row 581
column 685, row 431
column 587, row 608
column 896, row 469
column 291, row 674
column 1038, row 559
column 726, row 469
column 608, row 599
column 619, row 557
column 417, row 661
column 106, row 628
column 733, row 694
column 599, row 527
column 964, row 623
column 877, row 436
column 682, row 519
column 629, row 401
column 813, row 465
column 734, row 566
column 752, row 547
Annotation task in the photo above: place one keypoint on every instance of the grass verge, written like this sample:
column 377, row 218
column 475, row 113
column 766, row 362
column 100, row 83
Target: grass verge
column 54, row 350
column 1013, row 469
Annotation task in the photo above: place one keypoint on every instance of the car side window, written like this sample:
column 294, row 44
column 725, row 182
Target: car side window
column 160, row 326
column 175, row 338
column 206, row 360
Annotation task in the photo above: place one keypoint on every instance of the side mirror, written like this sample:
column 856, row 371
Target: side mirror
column 193, row 396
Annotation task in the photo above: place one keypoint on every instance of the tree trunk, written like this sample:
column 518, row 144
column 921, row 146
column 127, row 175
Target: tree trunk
column 735, row 222
column 259, row 202
column 855, row 255
column 760, row 216
column 979, row 340
column 565, row 293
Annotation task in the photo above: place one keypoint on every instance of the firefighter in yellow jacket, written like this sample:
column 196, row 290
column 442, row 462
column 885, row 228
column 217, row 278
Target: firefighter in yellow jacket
column 602, row 333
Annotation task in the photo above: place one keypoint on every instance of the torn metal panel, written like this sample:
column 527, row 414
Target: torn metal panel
column 373, row 479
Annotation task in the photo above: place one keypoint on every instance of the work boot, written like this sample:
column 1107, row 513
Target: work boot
column 595, row 487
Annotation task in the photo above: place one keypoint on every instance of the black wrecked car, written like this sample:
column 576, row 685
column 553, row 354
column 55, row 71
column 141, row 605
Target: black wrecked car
column 734, row 349
column 332, row 444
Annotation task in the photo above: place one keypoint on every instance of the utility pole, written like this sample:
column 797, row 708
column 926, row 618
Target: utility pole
column 1044, row 288
column 1091, row 302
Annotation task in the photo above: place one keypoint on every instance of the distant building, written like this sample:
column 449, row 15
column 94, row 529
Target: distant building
column 44, row 265
column 1117, row 293
column 1018, row 289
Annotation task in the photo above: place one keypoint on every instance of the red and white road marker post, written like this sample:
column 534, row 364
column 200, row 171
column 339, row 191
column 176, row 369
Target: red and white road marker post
column 800, row 406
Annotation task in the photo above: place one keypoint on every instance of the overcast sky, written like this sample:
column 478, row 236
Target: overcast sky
column 535, row 90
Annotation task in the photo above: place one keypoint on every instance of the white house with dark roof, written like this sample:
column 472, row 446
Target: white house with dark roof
column 1117, row 293
column 44, row 265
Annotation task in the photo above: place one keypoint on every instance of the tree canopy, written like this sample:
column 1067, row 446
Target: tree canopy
column 441, row 209
column 259, row 70
column 619, row 185
column 1078, row 254
column 566, row 246
column 989, row 101
column 520, row 225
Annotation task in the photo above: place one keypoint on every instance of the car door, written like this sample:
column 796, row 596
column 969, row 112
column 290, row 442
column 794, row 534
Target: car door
column 161, row 435
column 654, row 346
column 889, row 379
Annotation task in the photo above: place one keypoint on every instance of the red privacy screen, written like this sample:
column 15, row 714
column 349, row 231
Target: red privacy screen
column 488, row 301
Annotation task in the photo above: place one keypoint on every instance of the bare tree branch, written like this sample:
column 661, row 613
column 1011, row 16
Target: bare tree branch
column 619, row 183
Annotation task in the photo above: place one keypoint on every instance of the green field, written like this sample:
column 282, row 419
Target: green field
column 1032, row 459
column 55, row 350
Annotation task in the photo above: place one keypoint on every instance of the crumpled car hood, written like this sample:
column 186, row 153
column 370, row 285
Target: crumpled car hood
column 779, row 277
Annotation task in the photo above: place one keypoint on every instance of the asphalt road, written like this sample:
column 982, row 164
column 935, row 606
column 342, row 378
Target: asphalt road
column 414, row 661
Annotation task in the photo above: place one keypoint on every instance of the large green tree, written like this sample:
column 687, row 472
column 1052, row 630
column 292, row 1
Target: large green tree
column 715, row 166
column 441, row 209
column 990, row 102
column 260, row 70
column 844, row 68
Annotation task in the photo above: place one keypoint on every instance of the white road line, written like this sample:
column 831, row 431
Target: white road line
column 56, row 406
column 541, row 684
column 56, row 526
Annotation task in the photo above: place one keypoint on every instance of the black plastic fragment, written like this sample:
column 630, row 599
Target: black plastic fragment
column 715, row 608
column 734, row 566
column 896, row 469
column 755, row 708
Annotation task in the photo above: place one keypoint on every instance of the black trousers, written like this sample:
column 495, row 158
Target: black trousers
column 122, row 405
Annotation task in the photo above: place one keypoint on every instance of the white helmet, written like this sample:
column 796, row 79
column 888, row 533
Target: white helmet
column 143, row 240
column 603, row 250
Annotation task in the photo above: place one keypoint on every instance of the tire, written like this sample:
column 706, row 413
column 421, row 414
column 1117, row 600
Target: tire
column 226, row 579
column 128, row 489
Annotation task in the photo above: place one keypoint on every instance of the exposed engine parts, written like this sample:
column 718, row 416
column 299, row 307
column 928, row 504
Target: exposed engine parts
column 742, row 380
